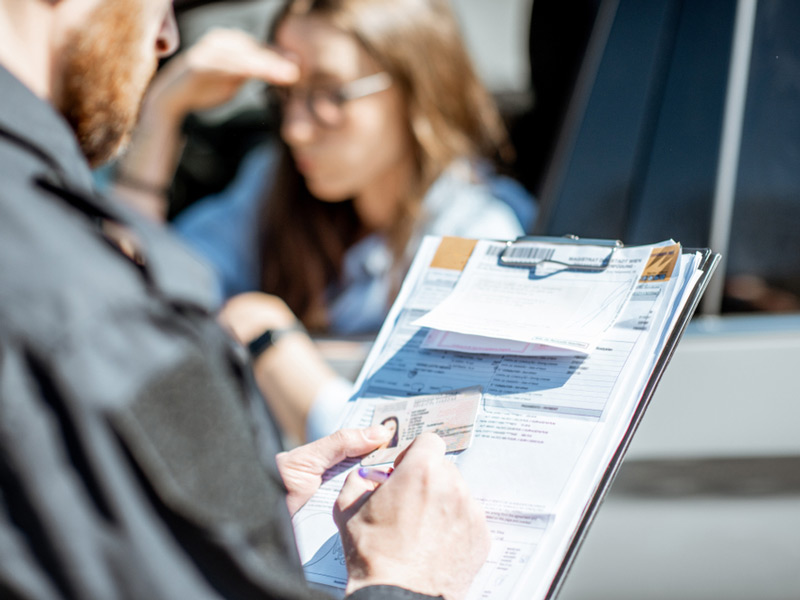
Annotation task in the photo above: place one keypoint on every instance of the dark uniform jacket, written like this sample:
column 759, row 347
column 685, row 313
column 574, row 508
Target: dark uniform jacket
column 136, row 456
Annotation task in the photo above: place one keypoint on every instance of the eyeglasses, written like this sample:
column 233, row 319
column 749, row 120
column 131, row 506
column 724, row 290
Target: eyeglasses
column 325, row 104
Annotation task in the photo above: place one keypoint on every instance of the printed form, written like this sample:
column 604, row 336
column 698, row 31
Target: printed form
column 546, row 426
column 549, row 303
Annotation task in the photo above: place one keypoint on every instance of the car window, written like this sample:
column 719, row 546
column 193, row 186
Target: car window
column 764, row 255
column 637, row 159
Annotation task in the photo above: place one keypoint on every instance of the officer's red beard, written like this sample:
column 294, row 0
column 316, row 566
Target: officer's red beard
column 105, row 66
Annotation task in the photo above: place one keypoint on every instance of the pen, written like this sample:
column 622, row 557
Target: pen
column 375, row 475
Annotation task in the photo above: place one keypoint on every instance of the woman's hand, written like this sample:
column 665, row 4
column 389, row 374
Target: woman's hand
column 206, row 75
column 213, row 70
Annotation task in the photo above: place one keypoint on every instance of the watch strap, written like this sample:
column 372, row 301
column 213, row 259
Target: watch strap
column 270, row 337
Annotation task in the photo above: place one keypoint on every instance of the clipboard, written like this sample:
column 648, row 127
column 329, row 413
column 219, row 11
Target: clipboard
column 708, row 264
column 397, row 366
column 522, row 252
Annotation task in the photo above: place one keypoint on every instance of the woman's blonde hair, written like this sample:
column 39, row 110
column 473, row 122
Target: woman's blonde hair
column 450, row 115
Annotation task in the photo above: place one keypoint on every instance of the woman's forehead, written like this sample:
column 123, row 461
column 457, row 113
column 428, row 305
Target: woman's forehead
column 323, row 50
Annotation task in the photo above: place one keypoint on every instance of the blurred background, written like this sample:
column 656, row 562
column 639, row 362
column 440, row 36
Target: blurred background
column 641, row 121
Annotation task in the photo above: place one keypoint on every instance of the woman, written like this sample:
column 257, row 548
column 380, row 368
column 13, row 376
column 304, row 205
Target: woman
column 386, row 135
column 393, row 425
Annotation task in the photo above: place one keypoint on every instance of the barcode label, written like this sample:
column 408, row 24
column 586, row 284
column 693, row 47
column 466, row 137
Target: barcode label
column 523, row 254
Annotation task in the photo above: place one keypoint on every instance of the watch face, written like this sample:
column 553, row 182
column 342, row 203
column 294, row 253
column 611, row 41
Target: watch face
column 262, row 342
column 270, row 337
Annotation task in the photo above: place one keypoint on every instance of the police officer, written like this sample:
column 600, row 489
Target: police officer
column 137, row 459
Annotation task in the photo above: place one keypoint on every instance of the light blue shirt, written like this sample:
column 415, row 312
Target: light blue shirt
column 464, row 201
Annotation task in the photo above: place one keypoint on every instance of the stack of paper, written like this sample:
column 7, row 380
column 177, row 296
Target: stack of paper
column 562, row 358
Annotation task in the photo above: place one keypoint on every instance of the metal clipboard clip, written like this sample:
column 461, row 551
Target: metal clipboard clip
column 523, row 252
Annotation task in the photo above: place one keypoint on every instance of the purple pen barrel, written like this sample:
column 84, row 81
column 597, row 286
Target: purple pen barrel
column 375, row 475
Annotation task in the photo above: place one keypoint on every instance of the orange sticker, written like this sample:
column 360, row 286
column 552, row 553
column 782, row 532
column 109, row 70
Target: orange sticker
column 661, row 263
column 453, row 253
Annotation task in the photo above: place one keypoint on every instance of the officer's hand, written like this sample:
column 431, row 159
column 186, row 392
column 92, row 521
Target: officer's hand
column 420, row 530
column 302, row 468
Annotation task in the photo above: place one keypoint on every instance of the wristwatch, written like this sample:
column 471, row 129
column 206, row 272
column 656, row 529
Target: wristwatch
column 270, row 337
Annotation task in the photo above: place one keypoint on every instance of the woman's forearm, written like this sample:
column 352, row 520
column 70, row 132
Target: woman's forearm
column 145, row 171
